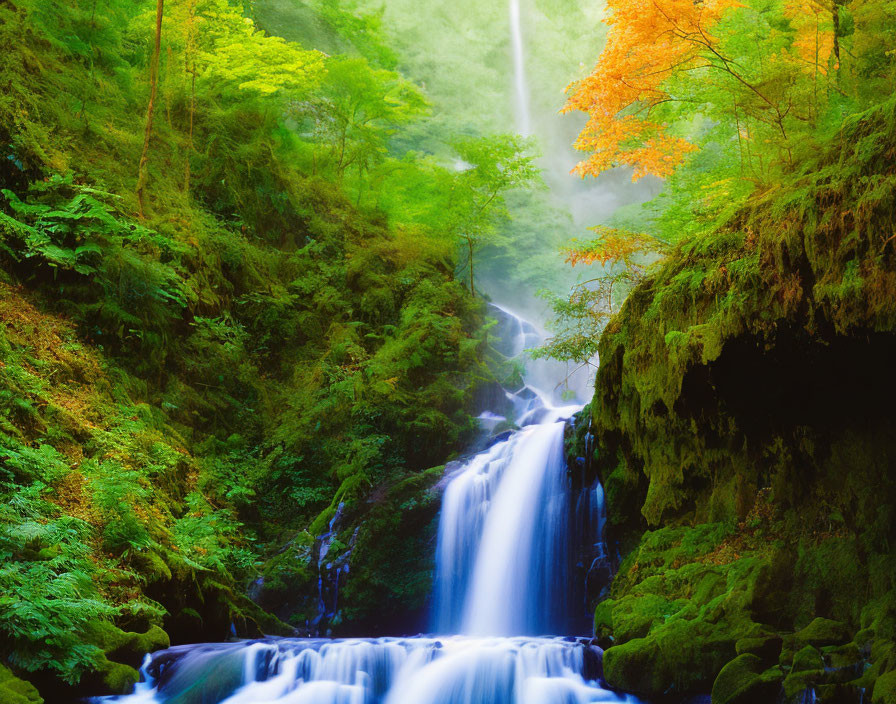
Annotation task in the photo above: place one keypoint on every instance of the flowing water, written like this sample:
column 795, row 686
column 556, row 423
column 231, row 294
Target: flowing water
column 516, row 534
column 520, row 84
column 518, row 555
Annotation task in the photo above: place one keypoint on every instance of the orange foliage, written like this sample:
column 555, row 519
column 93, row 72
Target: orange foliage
column 613, row 246
column 648, row 41
column 814, row 42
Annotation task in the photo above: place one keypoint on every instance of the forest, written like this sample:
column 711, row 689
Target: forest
column 532, row 327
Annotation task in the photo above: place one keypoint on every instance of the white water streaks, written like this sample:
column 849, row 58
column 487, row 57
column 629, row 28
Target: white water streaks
column 455, row 670
column 521, row 85
column 503, row 557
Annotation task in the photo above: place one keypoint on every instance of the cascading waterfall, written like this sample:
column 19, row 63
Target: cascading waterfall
column 502, row 556
column 519, row 554
column 521, row 85
column 420, row 670
column 507, row 571
column 510, row 523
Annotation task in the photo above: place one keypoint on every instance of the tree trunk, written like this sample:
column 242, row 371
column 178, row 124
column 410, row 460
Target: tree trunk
column 153, row 86
column 835, row 13
column 472, row 285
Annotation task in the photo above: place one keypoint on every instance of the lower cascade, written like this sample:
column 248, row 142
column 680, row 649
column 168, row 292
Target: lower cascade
column 518, row 538
column 421, row 670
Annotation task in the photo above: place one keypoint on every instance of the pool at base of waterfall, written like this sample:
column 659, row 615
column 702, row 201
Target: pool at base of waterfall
column 418, row 670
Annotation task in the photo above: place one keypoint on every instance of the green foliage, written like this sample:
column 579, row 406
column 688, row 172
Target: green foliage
column 49, row 598
column 281, row 333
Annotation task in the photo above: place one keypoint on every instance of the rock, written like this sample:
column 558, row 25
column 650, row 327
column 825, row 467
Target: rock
column 885, row 689
column 807, row 659
column 838, row 694
column 17, row 691
column 603, row 619
column 682, row 657
column 118, row 678
column 824, row 631
column 743, row 681
column 593, row 666
column 766, row 648
column 808, row 670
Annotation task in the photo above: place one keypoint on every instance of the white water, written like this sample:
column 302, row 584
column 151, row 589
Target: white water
column 521, row 85
column 419, row 670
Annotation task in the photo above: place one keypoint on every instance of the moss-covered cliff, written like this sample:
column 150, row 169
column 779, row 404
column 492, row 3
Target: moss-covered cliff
column 744, row 415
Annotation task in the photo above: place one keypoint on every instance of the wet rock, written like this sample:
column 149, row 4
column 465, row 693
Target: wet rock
column 744, row 681
column 683, row 657
column 824, row 631
column 593, row 665
column 808, row 670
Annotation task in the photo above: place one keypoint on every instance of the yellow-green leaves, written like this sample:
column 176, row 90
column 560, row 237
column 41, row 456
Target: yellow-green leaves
column 236, row 52
column 265, row 65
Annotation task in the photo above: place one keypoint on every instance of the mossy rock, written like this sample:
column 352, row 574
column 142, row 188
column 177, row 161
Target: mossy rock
column 808, row 658
column 118, row 678
column 681, row 657
column 824, row 631
column 603, row 618
column 124, row 646
column 634, row 617
column 743, row 681
column 885, row 689
column 807, row 671
column 839, row 694
column 767, row 648
column 17, row 691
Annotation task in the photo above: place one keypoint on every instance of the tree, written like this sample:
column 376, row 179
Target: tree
column 580, row 317
column 150, row 108
column 488, row 167
column 757, row 63
column 356, row 110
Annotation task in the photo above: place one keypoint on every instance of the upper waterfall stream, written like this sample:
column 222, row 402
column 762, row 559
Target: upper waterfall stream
column 508, row 590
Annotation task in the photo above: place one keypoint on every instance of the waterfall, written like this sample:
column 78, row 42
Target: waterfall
column 419, row 670
column 517, row 535
column 521, row 86
column 511, row 522
column 503, row 550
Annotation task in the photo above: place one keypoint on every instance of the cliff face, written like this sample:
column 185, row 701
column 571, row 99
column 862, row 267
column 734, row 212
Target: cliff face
column 744, row 415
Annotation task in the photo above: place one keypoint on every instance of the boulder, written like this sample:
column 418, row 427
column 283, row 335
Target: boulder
column 824, row 631
column 17, row 691
column 743, row 681
column 765, row 647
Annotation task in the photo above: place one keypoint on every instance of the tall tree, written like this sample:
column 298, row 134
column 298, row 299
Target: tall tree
column 153, row 87
column 489, row 167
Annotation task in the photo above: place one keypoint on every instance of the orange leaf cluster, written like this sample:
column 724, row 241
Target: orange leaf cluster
column 814, row 42
column 612, row 246
column 648, row 41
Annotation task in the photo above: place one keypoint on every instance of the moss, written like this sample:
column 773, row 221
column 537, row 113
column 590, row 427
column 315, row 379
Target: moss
column 603, row 618
column 118, row 678
column 744, row 681
column 17, row 691
column 808, row 658
column 824, row 631
column 682, row 657
column 765, row 647
column 393, row 559
column 807, row 670
column 635, row 617
column 743, row 411
column 885, row 689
